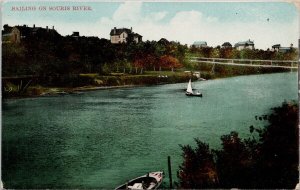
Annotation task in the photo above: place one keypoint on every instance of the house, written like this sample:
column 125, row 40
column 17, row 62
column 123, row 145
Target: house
column 124, row 35
column 200, row 44
column 16, row 34
column 136, row 37
column 278, row 48
column 11, row 35
column 244, row 45
column 226, row 45
column 284, row 49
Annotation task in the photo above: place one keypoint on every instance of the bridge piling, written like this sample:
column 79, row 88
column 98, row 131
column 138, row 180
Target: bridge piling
column 213, row 69
column 26, row 86
column 20, row 86
column 20, row 82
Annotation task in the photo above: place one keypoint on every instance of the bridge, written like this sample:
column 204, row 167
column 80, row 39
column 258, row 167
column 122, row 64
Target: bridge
column 286, row 64
column 21, row 83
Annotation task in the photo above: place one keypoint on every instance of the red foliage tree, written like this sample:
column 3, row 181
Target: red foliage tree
column 167, row 61
column 146, row 61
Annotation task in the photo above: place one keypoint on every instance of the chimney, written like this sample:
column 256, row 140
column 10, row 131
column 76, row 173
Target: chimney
column 130, row 29
column 115, row 30
column 33, row 25
column 52, row 27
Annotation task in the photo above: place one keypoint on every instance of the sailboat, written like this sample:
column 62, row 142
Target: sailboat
column 189, row 90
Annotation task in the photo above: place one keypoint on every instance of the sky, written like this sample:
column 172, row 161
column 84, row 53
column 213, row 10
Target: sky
column 186, row 22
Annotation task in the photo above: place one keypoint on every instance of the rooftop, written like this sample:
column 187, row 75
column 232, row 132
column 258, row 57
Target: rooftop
column 248, row 42
column 118, row 31
column 200, row 43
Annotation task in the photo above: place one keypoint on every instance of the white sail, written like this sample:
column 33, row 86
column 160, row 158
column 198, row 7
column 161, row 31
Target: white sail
column 189, row 87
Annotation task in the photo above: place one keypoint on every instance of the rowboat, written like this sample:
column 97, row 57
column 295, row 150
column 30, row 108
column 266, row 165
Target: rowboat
column 150, row 180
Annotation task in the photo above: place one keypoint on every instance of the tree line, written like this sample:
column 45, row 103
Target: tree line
column 57, row 55
column 232, row 53
column 51, row 55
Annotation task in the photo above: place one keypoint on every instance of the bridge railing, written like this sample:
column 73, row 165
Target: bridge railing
column 290, row 63
column 19, row 77
column 247, row 60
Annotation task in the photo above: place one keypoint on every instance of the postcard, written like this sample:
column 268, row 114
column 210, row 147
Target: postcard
column 149, row 95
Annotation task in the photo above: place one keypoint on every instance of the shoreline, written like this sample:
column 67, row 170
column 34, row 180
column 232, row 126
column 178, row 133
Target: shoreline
column 93, row 88
column 61, row 91
column 52, row 91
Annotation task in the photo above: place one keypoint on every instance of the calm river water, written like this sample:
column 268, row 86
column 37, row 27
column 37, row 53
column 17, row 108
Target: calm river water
column 102, row 138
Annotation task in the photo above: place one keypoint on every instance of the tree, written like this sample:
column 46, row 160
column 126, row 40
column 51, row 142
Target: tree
column 226, row 53
column 207, row 52
column 167, row 61
column 197, row 170
column 138, row 63
column 13, row 57
column 233, row 162
column 278, row 147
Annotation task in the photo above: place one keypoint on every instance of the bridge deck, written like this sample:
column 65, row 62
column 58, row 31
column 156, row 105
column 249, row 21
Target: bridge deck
column 247, row 60
column 292, row 64
column 20, row 77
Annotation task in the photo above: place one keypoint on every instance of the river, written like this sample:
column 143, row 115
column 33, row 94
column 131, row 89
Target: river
column 100, row 139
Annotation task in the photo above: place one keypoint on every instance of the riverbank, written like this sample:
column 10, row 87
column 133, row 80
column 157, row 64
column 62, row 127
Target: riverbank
column 94, row 81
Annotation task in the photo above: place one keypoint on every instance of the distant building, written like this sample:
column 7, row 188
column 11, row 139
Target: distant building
column 284, row 49
column 278, row 48
column 11, row 35
column 137, row 38
column 244, row 45
column 200, row 44
column 124, row 35
column 15, row 34
column 226, row 45
column 75, row 34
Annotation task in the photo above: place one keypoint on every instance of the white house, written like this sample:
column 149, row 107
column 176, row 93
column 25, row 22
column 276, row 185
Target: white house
column 244, row 45
column 124, row 35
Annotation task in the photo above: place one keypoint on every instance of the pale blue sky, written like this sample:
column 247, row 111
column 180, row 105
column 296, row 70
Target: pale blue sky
column 179, row 21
